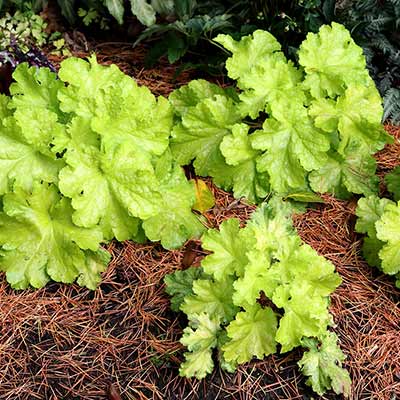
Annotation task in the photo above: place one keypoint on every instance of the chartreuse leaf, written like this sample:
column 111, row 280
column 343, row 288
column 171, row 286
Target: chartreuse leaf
column 24, row 160
column 39, row 241
column 99, row 182
column 247, row 181
column 369, row 210
column 250, row 51
column 341, row 176
column 322, row 364
column 265, row 260
column 36, row 88
column 210, row 297
column 200, row 134
column 188, row 96
column 261, row 70
column 174, row 222
column 392, row 181
column 229, row 251
column 356, row 115
column 302, row 147
column 380, row 218
column 251, row 334
column 332, row 61
column 200, row 338
column 388, row 231
column 110, row 99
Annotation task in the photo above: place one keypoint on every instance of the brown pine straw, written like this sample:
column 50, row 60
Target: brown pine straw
column 66, row 342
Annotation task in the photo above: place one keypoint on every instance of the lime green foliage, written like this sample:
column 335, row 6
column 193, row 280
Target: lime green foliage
column 322, row 363
column 224, row 300
column 39, row 241
column 287, row 129
column 380, row 220
column 101, row 142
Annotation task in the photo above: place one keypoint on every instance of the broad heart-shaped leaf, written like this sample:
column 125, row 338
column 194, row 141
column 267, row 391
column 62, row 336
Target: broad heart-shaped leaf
column 246, row 180
column 341, row 176
column 200, row 338
column 392, row 181
column 179, row 284
column 300, row 321
column 304, row 278
column 356, row 115
column 116, row 106
column 174, row 222
column 210, row 297
column 332, row 61
column 322, row 363
column 229, row 250
column 200, row 134
column 24, row 158
column 110, row 186
column 292, row 146
column 261, row 69
column 188, row 96
column 247, row 53
column 388, row 230
column 251, row 333
column 39, row 241
column 36, row 88
column 370, row 210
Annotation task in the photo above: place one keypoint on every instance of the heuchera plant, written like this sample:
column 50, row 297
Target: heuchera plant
column 286, row 128
column 380, row 220
column 261, row 287
column 85, row 159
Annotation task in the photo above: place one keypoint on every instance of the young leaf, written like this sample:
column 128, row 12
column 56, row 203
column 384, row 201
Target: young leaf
column 322, row 363
column 252, row 333
column 228, row 246
column 200, row 338
column 388, row 231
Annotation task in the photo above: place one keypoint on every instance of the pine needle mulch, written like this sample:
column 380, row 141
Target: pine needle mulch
column 121, row 341
column 65, row 342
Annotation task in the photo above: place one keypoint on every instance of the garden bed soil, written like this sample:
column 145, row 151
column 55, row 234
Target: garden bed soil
column 121, row 341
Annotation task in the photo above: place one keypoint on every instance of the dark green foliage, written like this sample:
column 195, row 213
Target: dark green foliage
column 375, row 25
column 197, row 22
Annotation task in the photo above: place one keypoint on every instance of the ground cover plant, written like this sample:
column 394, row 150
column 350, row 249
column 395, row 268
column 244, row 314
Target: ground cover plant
column 379, row 219
column 284, row 128
column 107, row 331
column 227, row 300
column 83, row 164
